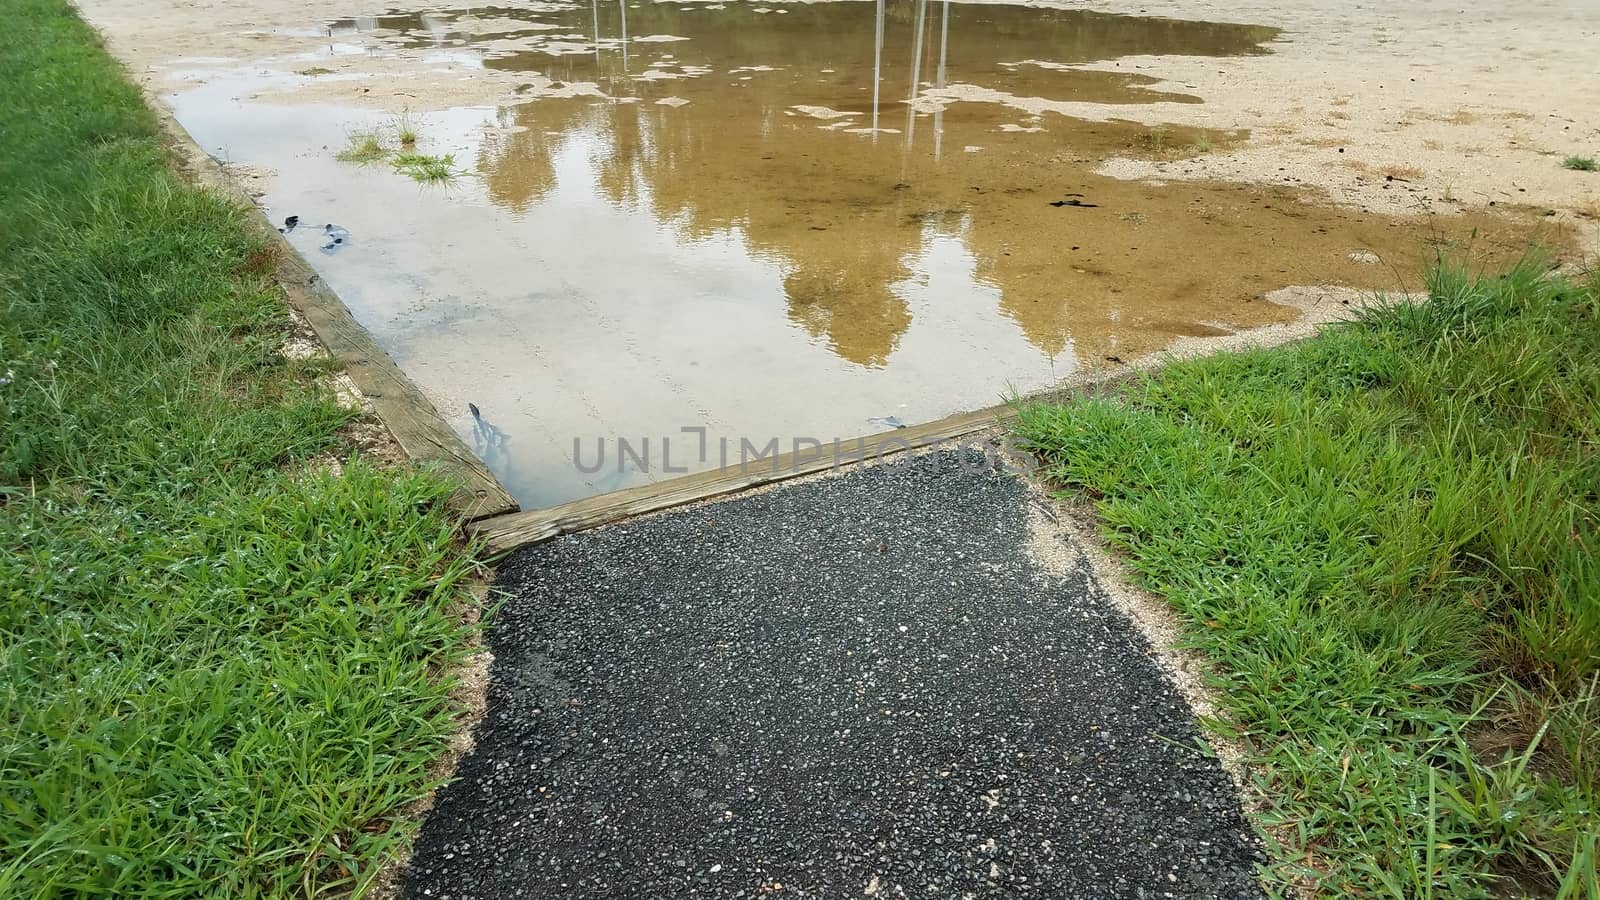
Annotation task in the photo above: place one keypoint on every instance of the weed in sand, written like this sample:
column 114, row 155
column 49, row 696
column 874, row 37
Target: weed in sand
column 1387, row 539
column 405, row 129
column 363, row 147
column 1580, row 163
column 427, row 169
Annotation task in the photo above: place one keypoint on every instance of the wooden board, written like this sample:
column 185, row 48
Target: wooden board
column 508, row 532
column 397, row 402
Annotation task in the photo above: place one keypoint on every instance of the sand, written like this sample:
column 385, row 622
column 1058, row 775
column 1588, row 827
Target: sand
column 1386, row 107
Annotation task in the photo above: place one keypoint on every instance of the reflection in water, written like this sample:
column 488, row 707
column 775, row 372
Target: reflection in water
column 490, row 443
column 622, row 12
column 877, row 68
column 765, row 125
column 939, row 83
column 770, row 141
column 715, row 217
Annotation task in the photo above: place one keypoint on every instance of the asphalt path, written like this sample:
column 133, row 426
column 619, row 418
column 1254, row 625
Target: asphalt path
column 864, row 685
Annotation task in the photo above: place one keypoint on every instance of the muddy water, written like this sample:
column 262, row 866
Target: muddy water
column 746, row 222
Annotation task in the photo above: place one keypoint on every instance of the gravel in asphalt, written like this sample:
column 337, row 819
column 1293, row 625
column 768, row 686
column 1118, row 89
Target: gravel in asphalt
column 864, row 685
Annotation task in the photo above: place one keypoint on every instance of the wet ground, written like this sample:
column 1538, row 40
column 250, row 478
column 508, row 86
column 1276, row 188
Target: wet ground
column 741, row 222
column 898, row 682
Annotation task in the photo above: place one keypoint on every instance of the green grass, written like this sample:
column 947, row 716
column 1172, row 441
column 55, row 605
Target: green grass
column 427, row 169
column 1580, row 163
column 363, row 147
column 1387, row 538
column 367, row 147
column 405, row 129
column 220, row 668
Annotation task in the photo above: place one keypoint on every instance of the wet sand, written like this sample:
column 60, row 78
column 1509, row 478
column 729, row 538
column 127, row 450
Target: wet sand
column 1476, row 97
column 726, row 222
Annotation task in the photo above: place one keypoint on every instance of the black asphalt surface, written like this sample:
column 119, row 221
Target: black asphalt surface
column 857, row 686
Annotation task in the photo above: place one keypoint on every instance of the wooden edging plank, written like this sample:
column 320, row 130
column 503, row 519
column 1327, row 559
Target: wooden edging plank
column 508, row 532
column 416, row 425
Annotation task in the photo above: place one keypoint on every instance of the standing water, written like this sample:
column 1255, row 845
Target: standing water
column 708, row 225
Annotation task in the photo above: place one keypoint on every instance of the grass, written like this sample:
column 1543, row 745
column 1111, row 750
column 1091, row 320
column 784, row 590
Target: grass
column 221, row 665
column 367, row 147
column 405, row 129
column 1387, row 539
column 363, row 147
column 427, row 169
column 1177, row 142
column 1580, row 163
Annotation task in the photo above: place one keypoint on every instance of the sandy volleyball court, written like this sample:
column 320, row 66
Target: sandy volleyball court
column 689, row 225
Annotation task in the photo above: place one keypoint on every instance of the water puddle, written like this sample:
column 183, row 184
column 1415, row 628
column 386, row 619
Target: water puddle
column 713, row 225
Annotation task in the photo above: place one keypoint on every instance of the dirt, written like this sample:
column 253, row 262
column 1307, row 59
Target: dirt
column 364, row 434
